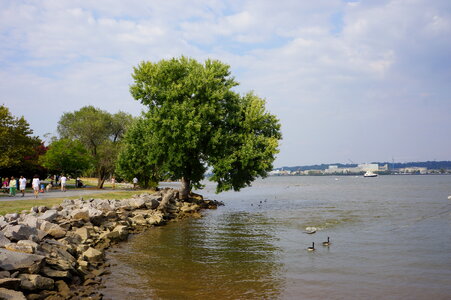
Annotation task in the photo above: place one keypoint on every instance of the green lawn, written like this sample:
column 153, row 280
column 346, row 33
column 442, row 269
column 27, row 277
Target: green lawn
column 7, row 207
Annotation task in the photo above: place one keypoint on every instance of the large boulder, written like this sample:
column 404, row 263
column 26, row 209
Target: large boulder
column 11, row 261
column 32, row 282
column 19, row 232
column 7, row 294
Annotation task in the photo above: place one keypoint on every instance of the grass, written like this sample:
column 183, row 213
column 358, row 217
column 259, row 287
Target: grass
column 18, row 206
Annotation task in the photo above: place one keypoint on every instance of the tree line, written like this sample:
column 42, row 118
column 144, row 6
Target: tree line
column 194, row 121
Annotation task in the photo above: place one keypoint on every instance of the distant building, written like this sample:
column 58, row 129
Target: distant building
column 413, row 170
column 369, row 167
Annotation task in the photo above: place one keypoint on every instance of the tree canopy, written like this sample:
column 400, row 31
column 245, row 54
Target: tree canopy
column 19, row 150
column 196, row 121
column 100, row 133
column 67, row 156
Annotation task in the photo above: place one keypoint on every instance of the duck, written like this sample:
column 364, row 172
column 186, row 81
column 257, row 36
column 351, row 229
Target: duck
column 327, row 243
column 312, row 248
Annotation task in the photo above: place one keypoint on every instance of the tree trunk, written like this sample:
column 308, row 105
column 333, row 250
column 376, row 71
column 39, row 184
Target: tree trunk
column 101, row 179
column 185, row 189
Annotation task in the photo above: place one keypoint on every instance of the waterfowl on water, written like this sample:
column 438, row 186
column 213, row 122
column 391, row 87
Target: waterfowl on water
column 327, row 243
column 311, row 248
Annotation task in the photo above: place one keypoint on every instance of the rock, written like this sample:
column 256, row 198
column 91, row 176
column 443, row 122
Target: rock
column 10, row 283
column 56, row 231
column 49, row 215
column 19, row 232
column 19, row 248
column 6, row 294
column 139, row 220
column 189, row 208
column 42, row 209
column 111, row 235
column 4, row 274
column 3, row 240
column 152, row 203
column 30, row 221
column 11, row 217
column 83, row 233
column 122, row 230
column 31, row 282
column 80, row 214
column 155, row 219
column 92, row 255
column 10, row 260
column 137, row 203
column 55, row 273
column 63, row 288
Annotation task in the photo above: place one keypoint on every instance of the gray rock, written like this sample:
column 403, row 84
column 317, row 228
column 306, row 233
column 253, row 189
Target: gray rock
column 30, row 221
column 6, row 294
column 49, row 215
column 19, row 232
column 29, row 243
column 32, row 282
column 3, row 223
column 5, row 274
column 11, row 261
column 3, row 240
column 11, row 217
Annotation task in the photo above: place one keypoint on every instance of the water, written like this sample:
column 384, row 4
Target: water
column 390, row 239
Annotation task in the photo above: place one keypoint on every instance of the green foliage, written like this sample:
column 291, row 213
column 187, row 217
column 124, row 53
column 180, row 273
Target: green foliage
column 134, row 159
column 19, row 150
column 196, row 121
column 67, row 156
column 100, row 133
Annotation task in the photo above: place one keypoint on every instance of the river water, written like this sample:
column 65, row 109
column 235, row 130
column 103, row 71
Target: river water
column 390, row 239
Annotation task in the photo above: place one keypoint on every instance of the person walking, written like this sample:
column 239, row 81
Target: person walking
column 12, row 187
column 63, row 180
column 135, row 182
column 22, row 185
column 35, row 184
column 113, row 182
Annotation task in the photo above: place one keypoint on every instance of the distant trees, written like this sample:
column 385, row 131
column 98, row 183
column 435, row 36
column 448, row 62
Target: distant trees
column 100, row 133
column 19, row 150
column 67, row 156
column 195, row 122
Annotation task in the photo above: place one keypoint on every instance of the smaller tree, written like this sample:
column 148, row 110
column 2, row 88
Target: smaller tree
column 67, row 156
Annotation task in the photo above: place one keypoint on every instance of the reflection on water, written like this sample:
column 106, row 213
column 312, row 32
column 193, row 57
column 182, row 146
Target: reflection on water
column 390, row 240
column 233, row 258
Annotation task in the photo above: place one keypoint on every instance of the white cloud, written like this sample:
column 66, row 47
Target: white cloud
column 340, row 76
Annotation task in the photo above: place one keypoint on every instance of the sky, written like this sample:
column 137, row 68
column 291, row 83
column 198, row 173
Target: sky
column 350, row 81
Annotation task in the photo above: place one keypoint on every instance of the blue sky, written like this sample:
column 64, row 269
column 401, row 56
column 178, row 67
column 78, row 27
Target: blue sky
column 349, row 80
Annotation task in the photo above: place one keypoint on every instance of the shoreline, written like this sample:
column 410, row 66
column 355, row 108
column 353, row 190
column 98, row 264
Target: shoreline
column 59, row 253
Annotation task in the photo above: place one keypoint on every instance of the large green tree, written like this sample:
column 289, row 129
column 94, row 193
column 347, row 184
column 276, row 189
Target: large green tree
column 100, row 132
column 67, row 156
column 19, row 150
column 196, row 121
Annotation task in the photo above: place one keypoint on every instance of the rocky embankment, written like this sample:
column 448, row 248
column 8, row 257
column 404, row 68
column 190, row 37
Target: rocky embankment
column 58, row 252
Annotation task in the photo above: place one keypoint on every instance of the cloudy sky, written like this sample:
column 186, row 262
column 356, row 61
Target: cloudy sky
column 356, row 81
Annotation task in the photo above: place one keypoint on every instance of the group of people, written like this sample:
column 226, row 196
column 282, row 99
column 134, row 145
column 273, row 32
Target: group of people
column 11, row 185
